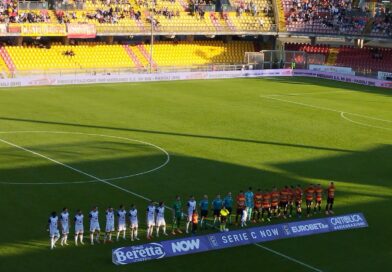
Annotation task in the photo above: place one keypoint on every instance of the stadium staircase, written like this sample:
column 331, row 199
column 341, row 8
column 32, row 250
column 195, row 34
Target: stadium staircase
column 332, row 56
column 281, row 15
column 368, row 27
column 229, row 22
column 147, row 56
column 7, row 60
column 183, row 3
column 133, row 56
column 140, row 25
column 215, row 21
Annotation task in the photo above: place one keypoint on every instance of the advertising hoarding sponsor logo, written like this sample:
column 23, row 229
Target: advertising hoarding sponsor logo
column 347, row 221
column 81, row 31
column 14, row 28
column 125, row 255
column 44, row 29
column 185, row 246
column 344, row 78
column 332, row 69
column 314, row 226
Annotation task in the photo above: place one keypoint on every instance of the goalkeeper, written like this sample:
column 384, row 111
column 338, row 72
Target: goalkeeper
column 177, row 216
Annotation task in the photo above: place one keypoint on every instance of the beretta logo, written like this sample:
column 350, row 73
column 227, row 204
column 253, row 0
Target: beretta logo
column 125, row 255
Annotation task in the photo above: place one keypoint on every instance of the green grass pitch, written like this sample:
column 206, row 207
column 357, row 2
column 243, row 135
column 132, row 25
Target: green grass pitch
column 222, row 135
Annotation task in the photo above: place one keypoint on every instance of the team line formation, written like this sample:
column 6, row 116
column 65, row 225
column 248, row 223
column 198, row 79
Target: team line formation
column 250, row 207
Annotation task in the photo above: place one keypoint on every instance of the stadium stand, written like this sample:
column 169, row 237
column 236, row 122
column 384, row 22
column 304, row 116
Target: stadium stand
column 98, row 55
column 366, row 60
column 326, row 16
column 84, row 56
column 172, row 16
column 382, row 23
column 200, row 53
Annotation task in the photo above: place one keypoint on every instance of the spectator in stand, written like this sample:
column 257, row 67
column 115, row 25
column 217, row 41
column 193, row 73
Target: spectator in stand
column 328, row 16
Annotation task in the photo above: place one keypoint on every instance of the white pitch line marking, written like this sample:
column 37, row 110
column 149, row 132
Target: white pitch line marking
column 90, row 134
column 134, row 194
column 72, row 168
column 289, row 258
column 308, row 93
column 360, row 123
column 325, row 108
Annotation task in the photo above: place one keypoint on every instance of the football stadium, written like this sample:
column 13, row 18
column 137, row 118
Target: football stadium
column 195, row 135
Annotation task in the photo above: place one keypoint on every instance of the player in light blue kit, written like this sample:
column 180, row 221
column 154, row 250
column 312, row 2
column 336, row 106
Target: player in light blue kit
column 204, row 206
column 217, row 204
column 249, row 203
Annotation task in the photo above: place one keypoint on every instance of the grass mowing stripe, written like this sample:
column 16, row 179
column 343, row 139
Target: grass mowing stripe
column 122, row 189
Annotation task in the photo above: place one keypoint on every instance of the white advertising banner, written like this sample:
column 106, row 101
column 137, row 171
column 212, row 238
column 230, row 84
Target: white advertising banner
column 384, row 75
column 105, row 78
column 345, row 78
column 332, row 69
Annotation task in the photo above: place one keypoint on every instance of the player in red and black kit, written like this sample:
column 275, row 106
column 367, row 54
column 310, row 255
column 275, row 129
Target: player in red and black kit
column 330, row 199
column 290, row 200
column 240, row 199
column 283, row 201
column 274, row 201
column 258, row 198
column 266, row 206
column 298, row 193
column 318, row 191
column 309, row 195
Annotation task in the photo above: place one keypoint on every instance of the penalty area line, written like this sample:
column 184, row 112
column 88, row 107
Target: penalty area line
column 342, row 114
column 325, row 108
column 135, row 194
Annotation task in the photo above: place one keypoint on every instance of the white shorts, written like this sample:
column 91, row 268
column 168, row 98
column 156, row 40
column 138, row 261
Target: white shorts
column 122, row 227
column 109, row 227
column 161, row 222
column 190, row 214
column 65, row 229
column 94, row 227
column 54, row 233
column 79, row 230
column 134, row 224
column 150, row 222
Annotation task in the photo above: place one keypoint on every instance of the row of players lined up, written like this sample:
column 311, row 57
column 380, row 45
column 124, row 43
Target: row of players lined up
column 251, row 207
